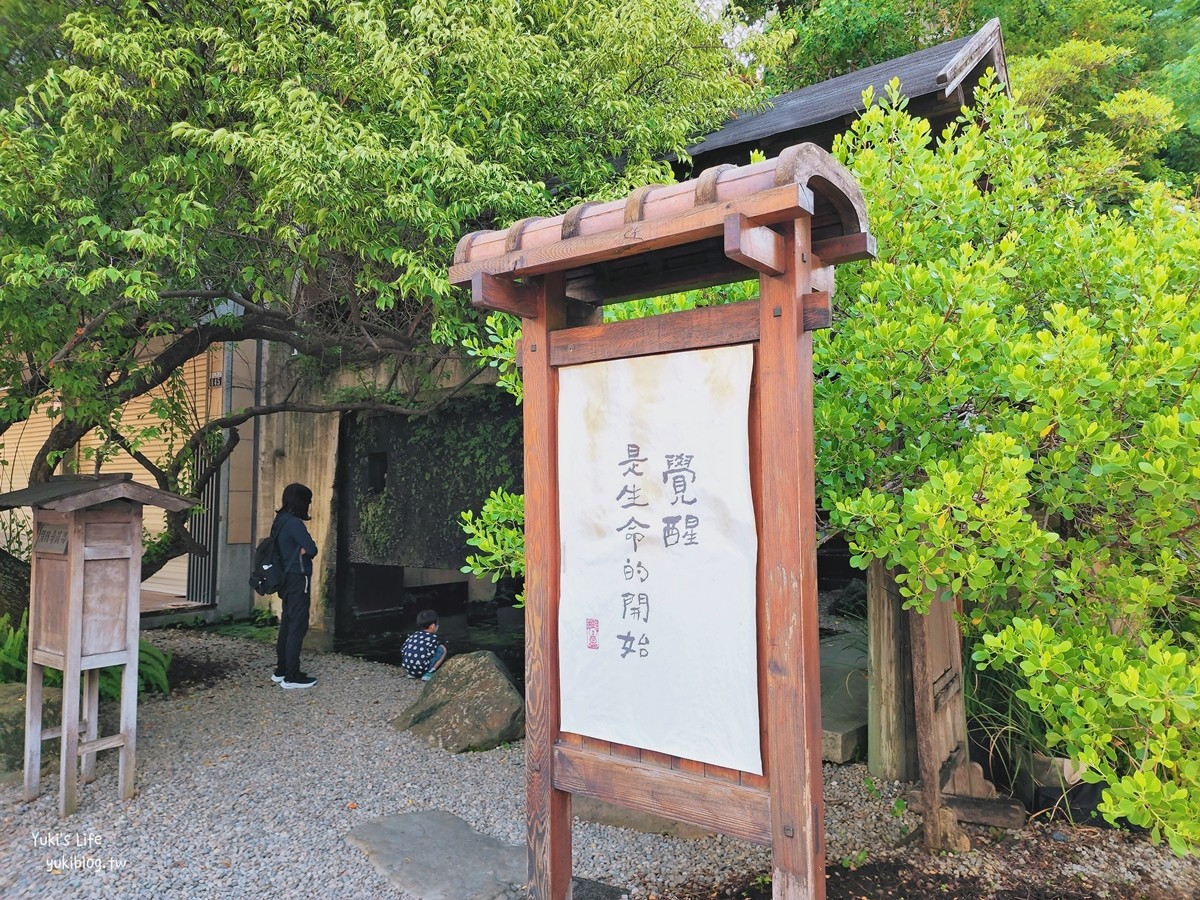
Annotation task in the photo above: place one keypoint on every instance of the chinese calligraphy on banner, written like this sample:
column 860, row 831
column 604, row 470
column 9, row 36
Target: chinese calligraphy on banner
column 657, row 614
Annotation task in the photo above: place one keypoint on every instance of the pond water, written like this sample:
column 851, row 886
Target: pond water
column 480, row 626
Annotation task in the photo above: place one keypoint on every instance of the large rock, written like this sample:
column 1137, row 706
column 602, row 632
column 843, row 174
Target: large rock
column 12, row 729
column 470, row 703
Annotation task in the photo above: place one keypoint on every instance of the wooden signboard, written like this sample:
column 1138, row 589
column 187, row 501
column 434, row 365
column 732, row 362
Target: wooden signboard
column 786, row 221
column 85, row 586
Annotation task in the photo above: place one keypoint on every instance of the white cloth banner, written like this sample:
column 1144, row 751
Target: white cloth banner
column 657, row 645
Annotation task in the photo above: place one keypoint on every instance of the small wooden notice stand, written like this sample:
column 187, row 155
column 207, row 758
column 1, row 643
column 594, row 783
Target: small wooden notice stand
column 786, row 221
column 85, row 588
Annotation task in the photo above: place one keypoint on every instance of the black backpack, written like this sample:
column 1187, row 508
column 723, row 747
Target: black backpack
column 266, row 574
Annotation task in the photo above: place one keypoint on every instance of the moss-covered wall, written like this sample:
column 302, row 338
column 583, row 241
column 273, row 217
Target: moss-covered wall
column 437, row 466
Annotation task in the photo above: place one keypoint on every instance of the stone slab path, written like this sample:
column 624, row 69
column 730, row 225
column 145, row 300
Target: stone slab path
column 437, row 856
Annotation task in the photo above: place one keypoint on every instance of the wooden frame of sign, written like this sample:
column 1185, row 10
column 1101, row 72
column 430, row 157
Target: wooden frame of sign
column 788, row 221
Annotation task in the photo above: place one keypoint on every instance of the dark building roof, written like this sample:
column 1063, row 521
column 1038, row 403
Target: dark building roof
column 71, row 492
column 937, row 81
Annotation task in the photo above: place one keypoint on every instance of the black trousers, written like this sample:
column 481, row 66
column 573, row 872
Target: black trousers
column 293, row 623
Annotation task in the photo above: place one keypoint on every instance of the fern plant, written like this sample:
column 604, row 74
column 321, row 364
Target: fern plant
column 153, row 663
column 13, row 643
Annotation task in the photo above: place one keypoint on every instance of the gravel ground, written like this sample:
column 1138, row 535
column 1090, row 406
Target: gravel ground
column 248, row 790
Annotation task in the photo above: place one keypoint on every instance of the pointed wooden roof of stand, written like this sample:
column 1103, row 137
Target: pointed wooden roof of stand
column 667, row 238
column 67, row 493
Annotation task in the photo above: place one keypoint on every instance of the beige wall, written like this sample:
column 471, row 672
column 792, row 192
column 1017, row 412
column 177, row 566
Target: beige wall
column 21, row 443
column 299, row 447
column 240, row 509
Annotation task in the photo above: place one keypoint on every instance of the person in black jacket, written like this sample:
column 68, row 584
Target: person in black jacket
column 296, row 549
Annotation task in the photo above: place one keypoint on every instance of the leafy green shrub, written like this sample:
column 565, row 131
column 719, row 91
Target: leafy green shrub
column 497, row 532
column 13, row 650
column 263, row 617
column 1126, row 710
column 1008, row 409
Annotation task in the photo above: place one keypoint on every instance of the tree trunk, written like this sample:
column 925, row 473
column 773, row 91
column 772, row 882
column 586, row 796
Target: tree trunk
column 14, row 587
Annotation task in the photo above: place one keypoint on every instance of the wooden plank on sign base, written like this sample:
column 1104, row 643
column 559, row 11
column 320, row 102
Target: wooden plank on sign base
column 723, row 806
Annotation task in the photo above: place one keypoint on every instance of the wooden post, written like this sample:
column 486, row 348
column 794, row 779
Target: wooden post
column 69, row 750
column 891, row 726
column 788, row 576
column 129, row 676
column 34, row 681
column 91, row 721
column 548, row 810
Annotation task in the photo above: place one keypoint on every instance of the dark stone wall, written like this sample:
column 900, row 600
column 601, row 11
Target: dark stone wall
column 405, row 480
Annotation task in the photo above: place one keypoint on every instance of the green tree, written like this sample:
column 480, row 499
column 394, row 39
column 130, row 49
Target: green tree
column 1031, row 27
column 833, row 37
column 1142, row 58
column 1084, row 52
column 180, row 174
column 29, row 41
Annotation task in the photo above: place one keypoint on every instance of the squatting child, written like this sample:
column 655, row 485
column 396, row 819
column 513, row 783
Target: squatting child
column 421, row 653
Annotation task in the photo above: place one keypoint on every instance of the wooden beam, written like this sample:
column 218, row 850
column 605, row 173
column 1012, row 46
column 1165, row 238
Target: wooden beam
column 769, row 207
column 964, row 61
column 600, row 286
column 755, row 246
column 712, row 326
column 95, row 745
column 1001, row 812
column 846, row 248
column 817, row 311
column 938, row 821
column 724, row 806
column 504, row 295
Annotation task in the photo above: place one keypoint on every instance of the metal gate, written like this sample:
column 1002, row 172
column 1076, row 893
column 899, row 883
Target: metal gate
column 205, row 528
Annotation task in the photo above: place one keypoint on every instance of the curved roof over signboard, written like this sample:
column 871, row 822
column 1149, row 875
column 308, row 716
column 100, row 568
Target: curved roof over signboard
column 665, row 238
